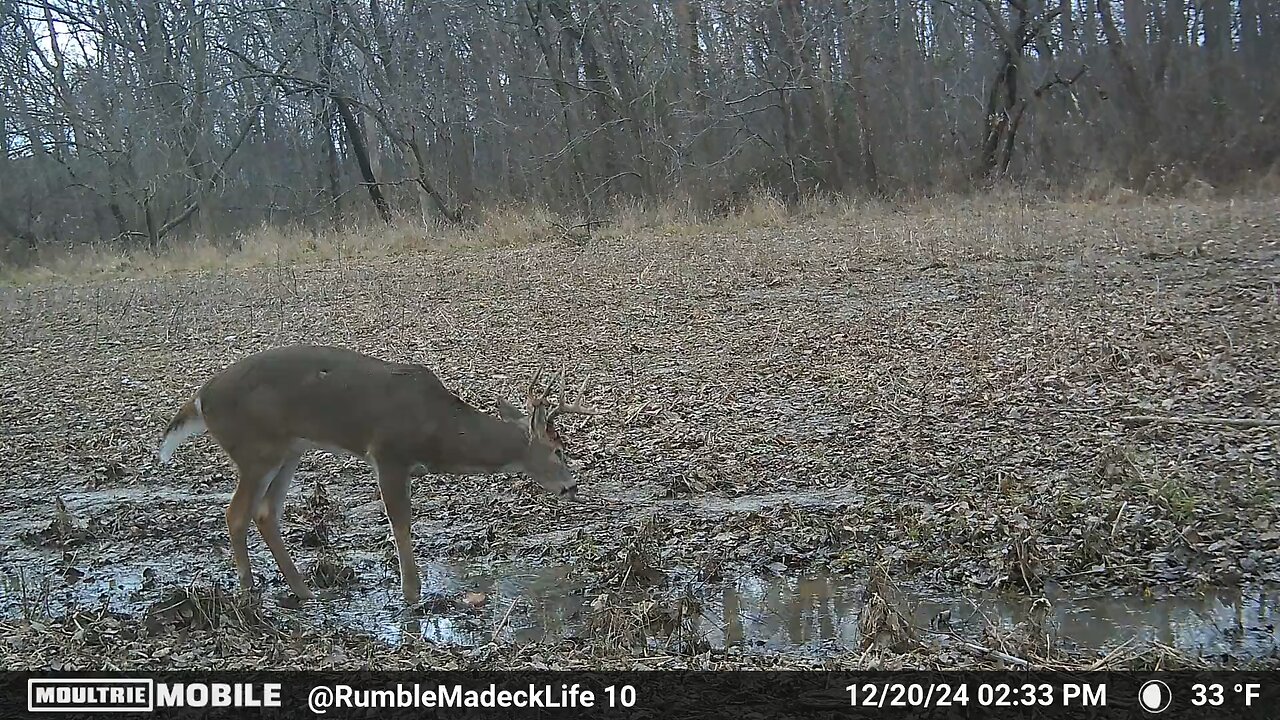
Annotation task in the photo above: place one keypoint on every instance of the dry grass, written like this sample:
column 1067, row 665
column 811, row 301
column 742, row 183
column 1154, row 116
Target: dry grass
column 882, row 624
column 937, row 386
column 993, row 220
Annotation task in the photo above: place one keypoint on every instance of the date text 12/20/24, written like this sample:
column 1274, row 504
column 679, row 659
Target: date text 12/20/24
column 927, row 695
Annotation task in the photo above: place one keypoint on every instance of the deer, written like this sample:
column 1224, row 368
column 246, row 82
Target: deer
column 268, row 409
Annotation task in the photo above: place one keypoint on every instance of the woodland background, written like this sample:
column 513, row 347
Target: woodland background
column 134, row 123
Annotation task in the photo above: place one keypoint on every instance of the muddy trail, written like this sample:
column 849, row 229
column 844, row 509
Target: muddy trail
column 826, row 446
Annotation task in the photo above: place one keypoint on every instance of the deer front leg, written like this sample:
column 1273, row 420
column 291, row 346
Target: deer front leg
column 257, row 467
column 267, row 519
column 393, row 481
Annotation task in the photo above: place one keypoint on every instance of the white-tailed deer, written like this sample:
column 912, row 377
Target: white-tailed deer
column 270, row 408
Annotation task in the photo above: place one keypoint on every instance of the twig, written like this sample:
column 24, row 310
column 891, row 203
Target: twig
column 635, row 413
column 981, row 651
column 1199, row 420
column 1095, row 571
column 1107, row 658
column 497, row 629
column 1115, row 526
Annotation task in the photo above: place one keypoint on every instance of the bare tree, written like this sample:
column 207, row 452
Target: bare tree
column 139, row 122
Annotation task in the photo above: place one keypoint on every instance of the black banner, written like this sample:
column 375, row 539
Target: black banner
column 589, row 694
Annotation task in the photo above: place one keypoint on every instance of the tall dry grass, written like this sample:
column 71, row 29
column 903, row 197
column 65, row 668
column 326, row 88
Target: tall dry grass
column 1005, row 221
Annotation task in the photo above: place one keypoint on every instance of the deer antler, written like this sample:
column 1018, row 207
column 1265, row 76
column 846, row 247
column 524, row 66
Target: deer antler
column 533, row 395
column 563, row 408
column 537, row 398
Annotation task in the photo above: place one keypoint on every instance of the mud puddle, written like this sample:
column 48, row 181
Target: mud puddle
column 813, row 613
column 469, row 605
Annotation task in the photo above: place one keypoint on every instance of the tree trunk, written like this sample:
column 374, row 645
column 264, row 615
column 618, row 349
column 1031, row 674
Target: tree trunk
column 355, row 136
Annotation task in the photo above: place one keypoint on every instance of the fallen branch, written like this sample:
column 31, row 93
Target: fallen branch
column 981, row 651
column 1199, row 420
column 497, row 629
column 1110, row 656
column 1095, row 571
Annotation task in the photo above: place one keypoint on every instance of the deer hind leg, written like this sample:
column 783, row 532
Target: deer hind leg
column 267, row 518
column 257, row 467
column 393, row 481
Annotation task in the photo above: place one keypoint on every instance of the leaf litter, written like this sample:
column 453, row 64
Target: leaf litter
column 824, row 396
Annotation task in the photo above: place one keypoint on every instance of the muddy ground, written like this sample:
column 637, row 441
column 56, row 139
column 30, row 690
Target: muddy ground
column 890, row 438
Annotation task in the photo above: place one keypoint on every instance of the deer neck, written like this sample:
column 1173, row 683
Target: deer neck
column 480, row 444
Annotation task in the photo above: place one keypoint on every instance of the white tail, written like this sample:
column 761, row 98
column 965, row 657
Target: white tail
column 188, row 423
column 268, row 409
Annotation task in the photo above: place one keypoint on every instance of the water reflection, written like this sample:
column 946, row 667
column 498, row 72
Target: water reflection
column 465, row 605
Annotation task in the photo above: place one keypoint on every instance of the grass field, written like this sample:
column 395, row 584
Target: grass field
column 929, row 406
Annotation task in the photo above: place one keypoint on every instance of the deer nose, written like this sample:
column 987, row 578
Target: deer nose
column 569, row 492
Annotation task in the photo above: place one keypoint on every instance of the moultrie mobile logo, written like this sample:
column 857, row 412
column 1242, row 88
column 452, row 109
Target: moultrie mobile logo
column 103, row 695
column 90, row 695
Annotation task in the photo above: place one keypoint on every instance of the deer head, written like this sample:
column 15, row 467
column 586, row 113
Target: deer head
column 545, row 459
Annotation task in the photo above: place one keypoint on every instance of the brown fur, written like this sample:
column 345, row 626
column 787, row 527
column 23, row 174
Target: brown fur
column 267, row 409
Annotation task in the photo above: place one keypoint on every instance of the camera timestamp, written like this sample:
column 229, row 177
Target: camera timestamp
column 936, row 695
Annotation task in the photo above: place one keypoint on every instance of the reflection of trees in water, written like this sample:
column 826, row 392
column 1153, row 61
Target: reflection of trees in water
column 1225, row 621
column 796, row 612
column 732, row 614
column 548, row 604
column 787, row 611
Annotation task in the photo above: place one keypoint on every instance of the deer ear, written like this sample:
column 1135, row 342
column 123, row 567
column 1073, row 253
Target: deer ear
column 509, row 412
